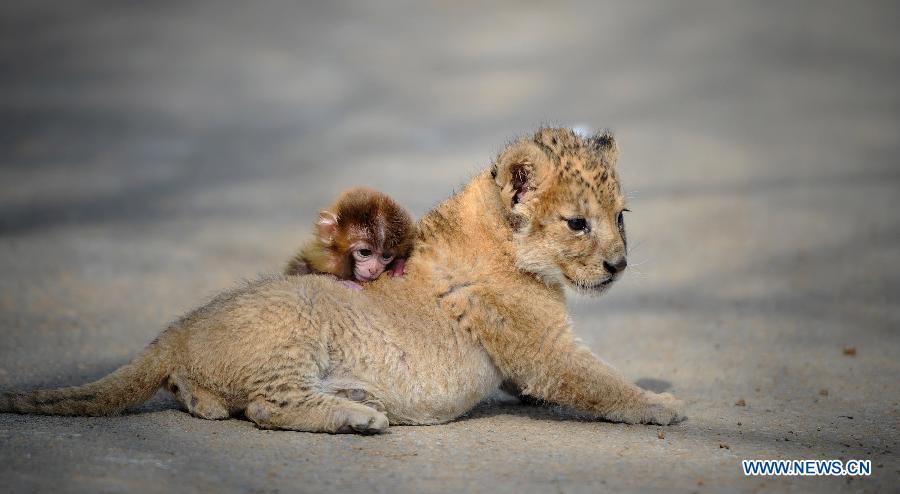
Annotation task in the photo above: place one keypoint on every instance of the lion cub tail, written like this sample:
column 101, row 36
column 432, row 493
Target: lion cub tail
column 131, row 384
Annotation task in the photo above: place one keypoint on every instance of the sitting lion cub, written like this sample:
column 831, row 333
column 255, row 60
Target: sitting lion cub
column 482, row 302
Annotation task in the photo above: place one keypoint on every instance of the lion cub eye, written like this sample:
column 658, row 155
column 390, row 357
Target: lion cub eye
column 578, row 224
column 620, row 219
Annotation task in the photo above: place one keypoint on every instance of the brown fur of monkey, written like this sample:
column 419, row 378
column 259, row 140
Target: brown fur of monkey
column 359, row 215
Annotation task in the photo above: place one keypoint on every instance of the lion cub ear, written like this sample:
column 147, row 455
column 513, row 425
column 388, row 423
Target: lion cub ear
column 605, row 145
column 519, row 171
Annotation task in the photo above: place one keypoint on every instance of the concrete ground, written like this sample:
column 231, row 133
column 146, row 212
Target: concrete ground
column 154, row 153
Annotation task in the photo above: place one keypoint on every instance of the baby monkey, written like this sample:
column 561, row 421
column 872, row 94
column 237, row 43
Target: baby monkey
column 363, row 234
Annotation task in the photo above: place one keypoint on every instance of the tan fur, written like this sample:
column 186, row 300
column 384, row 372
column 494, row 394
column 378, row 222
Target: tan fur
column 482, row 301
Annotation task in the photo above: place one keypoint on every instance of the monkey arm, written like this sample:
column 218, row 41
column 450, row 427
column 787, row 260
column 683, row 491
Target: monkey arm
column 316, row 258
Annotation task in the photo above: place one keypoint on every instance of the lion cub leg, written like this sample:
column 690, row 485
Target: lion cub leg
column 198, row 401
column 294, row 407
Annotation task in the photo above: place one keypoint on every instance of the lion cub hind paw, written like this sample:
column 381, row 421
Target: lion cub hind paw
column 198, row 401
column 363, row 422
column 208, row 409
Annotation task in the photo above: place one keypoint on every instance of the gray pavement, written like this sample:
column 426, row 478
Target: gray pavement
column 154, row 153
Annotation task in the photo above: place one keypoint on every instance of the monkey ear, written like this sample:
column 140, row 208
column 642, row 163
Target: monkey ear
column 519, row 171
column 326, row 226
column 606, row 146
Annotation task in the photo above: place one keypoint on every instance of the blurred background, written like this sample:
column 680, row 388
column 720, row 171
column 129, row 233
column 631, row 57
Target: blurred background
column 154, row 153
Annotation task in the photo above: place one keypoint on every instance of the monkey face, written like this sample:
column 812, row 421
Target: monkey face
column 369, row 262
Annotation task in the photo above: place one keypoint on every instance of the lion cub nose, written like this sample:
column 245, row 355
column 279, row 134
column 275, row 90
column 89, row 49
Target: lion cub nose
column 616, row 266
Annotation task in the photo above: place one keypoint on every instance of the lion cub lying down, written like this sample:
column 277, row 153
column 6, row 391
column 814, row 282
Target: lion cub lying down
column 482, row 301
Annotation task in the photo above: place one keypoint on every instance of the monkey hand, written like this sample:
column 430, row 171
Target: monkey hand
column 399, row 268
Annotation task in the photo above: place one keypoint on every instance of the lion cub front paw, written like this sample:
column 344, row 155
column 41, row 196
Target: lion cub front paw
column 663, row 409
column 653, row 408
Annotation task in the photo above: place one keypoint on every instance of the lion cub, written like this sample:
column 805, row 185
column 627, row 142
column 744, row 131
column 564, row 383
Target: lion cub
column 483, row 301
